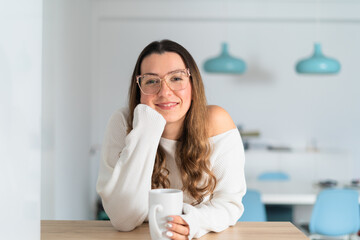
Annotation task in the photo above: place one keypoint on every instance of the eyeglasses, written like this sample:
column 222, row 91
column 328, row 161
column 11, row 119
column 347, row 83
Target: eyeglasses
column 150, row 84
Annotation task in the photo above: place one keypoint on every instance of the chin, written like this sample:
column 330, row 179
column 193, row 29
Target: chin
column 172, row 119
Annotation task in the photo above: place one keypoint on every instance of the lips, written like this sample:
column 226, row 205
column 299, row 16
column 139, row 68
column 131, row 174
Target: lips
column 167, row 105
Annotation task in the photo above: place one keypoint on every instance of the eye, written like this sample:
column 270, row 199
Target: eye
column 176, row 79
column 150, row 81
column 179, row 76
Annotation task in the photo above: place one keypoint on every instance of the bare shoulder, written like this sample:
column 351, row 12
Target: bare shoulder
column 219, row 120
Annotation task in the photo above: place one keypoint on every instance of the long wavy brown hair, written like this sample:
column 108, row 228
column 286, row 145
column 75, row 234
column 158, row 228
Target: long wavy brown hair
column 193, row 148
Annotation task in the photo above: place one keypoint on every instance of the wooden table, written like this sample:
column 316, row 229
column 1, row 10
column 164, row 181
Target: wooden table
column 96, row 230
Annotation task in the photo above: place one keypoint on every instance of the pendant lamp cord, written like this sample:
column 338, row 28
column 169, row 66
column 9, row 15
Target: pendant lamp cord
column 317, row 21
column 225, row 7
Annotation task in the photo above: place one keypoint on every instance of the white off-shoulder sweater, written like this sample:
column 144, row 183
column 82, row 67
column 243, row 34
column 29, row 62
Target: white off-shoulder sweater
column 127, row 165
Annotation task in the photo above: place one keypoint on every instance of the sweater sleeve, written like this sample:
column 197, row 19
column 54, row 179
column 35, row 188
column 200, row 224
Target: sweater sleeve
column 225, row 208
column 127, row 164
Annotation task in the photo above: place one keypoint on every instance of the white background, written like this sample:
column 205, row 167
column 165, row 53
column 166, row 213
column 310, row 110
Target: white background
column 90, row 49
column 20, row 118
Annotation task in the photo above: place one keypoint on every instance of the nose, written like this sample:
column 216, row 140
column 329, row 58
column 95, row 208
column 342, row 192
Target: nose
column 165, row 90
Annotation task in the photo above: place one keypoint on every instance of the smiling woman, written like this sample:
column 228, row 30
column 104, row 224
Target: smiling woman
column 169, row 138
column 172, row 105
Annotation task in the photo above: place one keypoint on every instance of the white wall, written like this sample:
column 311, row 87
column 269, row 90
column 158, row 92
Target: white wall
column 287, row 108
column 20, row 118
column 90, row 49
column 66, row 110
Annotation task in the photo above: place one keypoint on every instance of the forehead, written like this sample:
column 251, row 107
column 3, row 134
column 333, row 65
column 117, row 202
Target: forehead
column 161, row 64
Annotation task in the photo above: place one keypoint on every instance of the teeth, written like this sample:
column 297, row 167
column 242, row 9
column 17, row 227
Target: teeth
column 168, row 105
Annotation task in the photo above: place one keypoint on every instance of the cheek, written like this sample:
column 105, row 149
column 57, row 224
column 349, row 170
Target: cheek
column 188, row 95
column 144, row 99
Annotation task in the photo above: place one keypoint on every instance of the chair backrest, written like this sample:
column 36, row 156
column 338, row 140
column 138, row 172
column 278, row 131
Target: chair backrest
column 277, row 176
column 336, row 213
column 254, row 208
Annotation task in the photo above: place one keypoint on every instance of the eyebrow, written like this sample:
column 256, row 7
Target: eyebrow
column 154, row 74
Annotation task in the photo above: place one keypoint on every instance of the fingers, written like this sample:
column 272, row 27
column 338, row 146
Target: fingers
column 178, row 228
column 177, row 219
column 176, row 236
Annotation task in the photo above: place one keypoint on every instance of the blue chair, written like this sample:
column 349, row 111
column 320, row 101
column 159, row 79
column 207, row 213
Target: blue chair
column 270, row 176
column 335, row 213
column 254, row 209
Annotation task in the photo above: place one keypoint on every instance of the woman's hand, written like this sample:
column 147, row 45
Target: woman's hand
column 177, row 228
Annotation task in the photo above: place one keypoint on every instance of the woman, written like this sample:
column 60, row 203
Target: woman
column 169, row 138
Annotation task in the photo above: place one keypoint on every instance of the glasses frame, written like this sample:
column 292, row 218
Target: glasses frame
column 187, row 71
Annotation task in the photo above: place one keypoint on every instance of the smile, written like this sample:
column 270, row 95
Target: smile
column 167, row 106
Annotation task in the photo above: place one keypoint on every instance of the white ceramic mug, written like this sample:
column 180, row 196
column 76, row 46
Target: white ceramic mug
column 162, row 203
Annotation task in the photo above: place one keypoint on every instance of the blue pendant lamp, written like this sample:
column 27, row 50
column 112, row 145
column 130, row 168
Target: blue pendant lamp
column 318, row 63
column 225, row 63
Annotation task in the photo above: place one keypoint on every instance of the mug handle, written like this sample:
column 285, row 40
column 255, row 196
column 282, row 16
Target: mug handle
column 152, row 219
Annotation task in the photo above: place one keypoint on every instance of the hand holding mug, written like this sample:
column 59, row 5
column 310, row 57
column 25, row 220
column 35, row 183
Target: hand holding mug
column 165, row 206
column 177, row 228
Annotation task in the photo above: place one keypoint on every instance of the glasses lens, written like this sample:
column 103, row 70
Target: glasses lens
column 150, row 84
column 178, row 80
